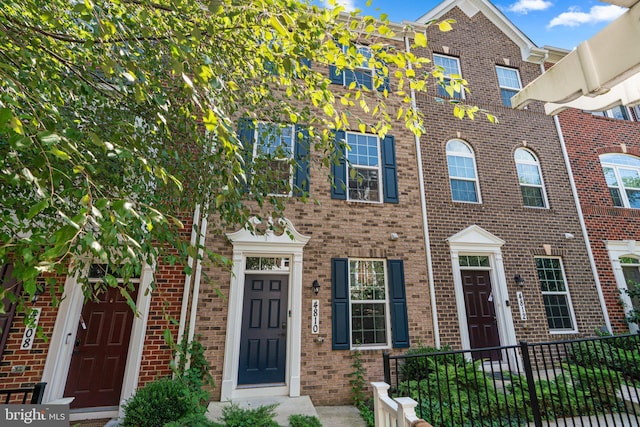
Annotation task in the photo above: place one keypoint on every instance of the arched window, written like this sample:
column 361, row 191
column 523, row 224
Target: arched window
column 622, row 173
column 463, row 176
column 530, row 179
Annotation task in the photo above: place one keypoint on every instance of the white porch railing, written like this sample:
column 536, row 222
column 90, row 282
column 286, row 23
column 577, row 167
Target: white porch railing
column 390, row 412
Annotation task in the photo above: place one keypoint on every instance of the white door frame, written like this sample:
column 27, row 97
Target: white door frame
column 249, row 242
column 617, row 249
column 56, row 366
column 474, row 240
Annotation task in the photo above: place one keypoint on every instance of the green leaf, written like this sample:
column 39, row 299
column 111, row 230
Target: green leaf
column 37, row 208
column 275, row 23
column 420, row 39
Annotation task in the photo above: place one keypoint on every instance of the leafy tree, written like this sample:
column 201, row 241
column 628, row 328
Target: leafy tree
column 118, row 117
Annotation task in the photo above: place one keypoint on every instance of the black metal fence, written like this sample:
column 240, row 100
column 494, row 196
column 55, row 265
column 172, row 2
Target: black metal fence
column 566, row 383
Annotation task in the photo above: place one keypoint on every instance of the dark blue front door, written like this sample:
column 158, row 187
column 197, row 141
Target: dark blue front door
column 264, row 330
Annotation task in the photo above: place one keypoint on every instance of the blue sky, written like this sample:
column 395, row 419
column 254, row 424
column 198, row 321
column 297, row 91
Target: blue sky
column 546, row 22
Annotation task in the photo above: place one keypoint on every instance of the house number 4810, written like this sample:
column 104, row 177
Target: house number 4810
column 315, row 316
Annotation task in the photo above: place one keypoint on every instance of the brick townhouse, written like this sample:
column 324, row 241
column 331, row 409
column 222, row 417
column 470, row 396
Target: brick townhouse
column 503, row 257
column 353, row 277
column 98, row 352
column 508, row 258
column 604, row 151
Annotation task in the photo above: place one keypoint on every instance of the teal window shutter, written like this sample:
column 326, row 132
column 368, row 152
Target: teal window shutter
column 398, row 304
column 246, row 135
column 339, row 168
column 340, row 304
column 301, row 157
column 389, row 170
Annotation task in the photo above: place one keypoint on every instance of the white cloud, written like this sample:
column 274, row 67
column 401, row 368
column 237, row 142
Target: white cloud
column 525, row 6
column 349, row 5
column 574, row 17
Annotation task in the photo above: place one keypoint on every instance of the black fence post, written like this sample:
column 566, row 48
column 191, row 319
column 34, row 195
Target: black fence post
column 38, row 393
column 387, row 367
column 535, row 405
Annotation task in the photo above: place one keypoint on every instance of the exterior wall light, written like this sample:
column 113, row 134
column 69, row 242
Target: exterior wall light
column 315, row 286
column 518, row 279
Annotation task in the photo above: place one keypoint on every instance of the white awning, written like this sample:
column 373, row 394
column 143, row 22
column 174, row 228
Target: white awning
column 600, row 73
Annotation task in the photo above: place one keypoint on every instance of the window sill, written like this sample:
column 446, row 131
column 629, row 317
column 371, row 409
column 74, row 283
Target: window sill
column 372, row 347
column 563, row 332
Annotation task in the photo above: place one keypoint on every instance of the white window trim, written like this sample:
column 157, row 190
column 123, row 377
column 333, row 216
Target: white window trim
column 387, row 314
column 621, row 188
column 360, row 67
column 537, row 164
column 609, row 113
column 475, row 240
column 378, row 168
column 566, row 293
column 517, row 89
column 618, row 249
column 63, row 338
column 472, row 156
column 249, row 242
column 255, row 154
column 447, row 77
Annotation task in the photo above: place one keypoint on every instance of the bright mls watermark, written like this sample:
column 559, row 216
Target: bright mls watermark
column 34, row 415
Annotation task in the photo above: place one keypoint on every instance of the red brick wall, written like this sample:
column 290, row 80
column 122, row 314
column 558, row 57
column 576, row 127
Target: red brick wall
column 587, row 137
column 166, row 304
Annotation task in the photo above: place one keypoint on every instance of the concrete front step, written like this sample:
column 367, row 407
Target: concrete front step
column 330, row 416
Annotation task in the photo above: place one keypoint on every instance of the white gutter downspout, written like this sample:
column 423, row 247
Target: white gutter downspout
column 425, row 222
column 196, row 281
column 583, row 226
column 187, row 278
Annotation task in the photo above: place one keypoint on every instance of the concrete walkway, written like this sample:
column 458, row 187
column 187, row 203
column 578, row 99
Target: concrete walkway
column 330, row 416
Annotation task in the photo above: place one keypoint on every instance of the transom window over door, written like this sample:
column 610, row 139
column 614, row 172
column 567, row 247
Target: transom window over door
column 530, row 179
column 462, row 172
column 451, row 69
column 622, row 173
column 509, row 82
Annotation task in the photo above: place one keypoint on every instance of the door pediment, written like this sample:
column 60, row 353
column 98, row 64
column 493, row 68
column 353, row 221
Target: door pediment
column 475, row 236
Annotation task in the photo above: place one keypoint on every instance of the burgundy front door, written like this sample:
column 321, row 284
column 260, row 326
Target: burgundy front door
column 100, row 353
column 481, row 313
column 264, row 330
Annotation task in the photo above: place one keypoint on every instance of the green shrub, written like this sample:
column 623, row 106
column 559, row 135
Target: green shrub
column 418, row 367
column 235, row 416
column 618, row 354
column 304, row 421
column 194, row 420
column 158, row 403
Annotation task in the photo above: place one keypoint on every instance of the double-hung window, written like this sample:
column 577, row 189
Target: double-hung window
column 366, row 168
column 530, row 179
column 619, row 112
column 509, row 82
column 368, row 304
column 622, row 173
column 631, row 271
column 364, row 74
column 451, row 69
column 274, row 145
column 555, row 295
column 278, row 154
column 463, row 176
